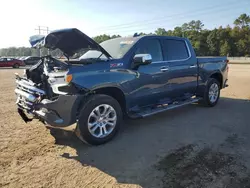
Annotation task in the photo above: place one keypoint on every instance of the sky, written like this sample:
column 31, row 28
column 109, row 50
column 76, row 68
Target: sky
column 20, row 18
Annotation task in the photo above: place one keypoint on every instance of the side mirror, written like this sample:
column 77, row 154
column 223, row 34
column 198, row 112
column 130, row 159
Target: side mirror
column 142, row 59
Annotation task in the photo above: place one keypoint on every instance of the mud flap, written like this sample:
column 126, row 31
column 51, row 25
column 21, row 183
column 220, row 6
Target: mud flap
column 23, row 116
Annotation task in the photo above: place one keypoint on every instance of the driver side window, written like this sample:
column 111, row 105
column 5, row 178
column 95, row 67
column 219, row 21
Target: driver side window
column 152, row 47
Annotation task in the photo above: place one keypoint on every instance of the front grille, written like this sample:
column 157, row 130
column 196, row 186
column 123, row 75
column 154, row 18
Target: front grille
column 29, row 87
column 23, row 103
column 27, row 94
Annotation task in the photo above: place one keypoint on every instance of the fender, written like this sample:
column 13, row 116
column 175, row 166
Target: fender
column 206, row 70
column 118, row 78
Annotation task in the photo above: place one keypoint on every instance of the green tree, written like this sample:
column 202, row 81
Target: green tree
column 194, row 25
column 242, row 21
column 178, row 32
column 225, row 49
column 202, row 48
column 213, row 43
column 101, row 38
column 161, row 32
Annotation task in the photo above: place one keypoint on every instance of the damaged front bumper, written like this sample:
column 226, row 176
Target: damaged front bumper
column 60, row 112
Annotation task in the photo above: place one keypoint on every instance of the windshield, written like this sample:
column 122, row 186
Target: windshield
column 117, row 48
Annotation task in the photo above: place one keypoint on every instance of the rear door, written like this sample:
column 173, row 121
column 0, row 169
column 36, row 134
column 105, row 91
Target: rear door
column 10, row 62
column 150, row 86
column 183, row 68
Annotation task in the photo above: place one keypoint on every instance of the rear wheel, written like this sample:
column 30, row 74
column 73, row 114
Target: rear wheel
column 100, row 119
column 212, row 93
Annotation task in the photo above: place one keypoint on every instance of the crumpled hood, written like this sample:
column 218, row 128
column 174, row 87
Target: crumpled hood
column 69, row 41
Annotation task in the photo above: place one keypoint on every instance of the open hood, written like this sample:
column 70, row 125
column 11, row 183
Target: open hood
column 69, row 41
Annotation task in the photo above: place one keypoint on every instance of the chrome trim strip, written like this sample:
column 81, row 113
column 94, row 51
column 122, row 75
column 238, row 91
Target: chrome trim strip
column 28, row 96
column 25, row 89
column 32, row 88
column 22, row 106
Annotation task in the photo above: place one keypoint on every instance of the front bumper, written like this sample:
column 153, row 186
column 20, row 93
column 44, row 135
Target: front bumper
column 61, row 112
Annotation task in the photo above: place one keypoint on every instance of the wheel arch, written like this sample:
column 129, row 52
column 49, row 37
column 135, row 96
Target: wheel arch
column 114, row 92
column 15, row 65
column 218, row 76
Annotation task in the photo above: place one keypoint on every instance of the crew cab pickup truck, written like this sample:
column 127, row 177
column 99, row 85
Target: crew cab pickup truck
column 132, row 77
column 11, row 62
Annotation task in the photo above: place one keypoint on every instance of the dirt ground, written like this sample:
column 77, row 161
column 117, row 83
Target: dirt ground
column 192, row 146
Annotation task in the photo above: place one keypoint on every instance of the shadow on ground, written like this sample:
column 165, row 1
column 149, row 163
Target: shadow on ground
column 134, row 156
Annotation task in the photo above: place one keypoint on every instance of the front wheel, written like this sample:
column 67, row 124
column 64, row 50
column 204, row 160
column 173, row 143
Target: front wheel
column 212, row 93
column 16, row 66
column 99, row 120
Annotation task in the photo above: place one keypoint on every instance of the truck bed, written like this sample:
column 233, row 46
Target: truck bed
column 211, row 59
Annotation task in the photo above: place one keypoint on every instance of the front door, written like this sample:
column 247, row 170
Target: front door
column 183, row 68
column 152, row 80
column 3, row 62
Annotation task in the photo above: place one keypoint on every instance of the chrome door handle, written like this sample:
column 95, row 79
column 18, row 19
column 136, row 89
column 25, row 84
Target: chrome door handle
column 192, row 66
column 164, row 69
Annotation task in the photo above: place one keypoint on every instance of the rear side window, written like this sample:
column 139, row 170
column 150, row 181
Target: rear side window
column 175, row 50
column 152, row 47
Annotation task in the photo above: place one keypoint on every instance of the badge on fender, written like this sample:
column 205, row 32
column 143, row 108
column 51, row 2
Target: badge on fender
column 114, row 65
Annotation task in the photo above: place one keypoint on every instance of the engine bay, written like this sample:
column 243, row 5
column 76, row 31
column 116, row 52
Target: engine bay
column 39, row 87
column 48, row 74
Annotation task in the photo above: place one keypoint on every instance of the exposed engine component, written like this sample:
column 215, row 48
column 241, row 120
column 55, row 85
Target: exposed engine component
column 40, row 82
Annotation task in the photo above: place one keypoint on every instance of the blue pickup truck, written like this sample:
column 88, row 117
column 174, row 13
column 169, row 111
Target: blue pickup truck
column 132, row 77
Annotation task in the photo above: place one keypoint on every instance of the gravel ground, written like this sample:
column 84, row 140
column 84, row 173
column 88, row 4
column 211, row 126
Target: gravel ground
column 192, row 146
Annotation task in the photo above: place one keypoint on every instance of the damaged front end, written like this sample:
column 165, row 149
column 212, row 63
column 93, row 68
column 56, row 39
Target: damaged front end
column 43, row 93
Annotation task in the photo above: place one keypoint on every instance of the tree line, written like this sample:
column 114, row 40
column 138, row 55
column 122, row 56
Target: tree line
column 222, row 41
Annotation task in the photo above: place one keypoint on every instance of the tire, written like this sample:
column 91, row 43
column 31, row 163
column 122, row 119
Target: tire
column 212, row 93
column 16, row 66
column 90, row 125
